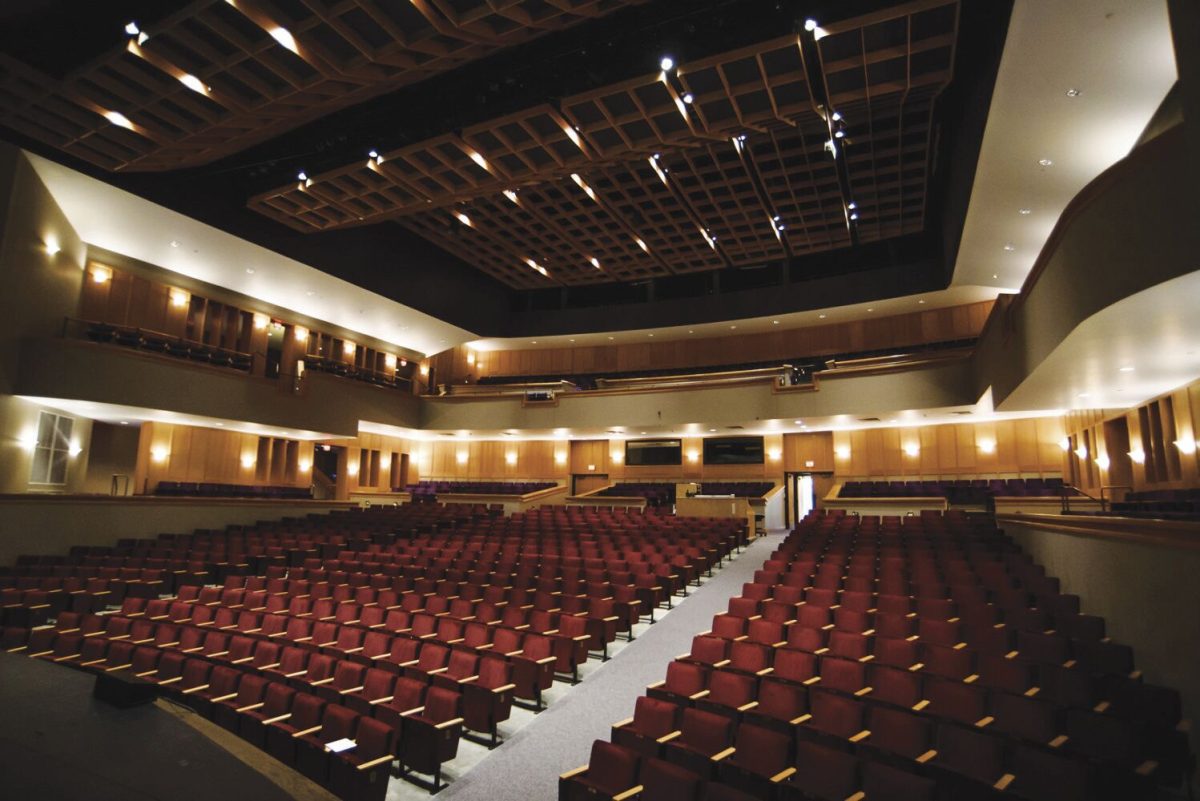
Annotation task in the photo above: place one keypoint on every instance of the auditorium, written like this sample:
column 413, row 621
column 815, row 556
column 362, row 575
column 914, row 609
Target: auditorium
column 520, row 400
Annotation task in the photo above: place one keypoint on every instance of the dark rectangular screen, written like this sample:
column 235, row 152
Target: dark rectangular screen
column 733, row 450
column 653, row 451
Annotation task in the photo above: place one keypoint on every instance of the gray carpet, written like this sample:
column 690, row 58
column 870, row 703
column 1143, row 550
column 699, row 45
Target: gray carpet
column 527, row 766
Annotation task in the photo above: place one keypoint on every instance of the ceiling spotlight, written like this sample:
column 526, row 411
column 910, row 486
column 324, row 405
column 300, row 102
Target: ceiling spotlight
column 781, row 226
column 995, row 276
column 1009, row 247
column 775, row 218
column 595, row 262
column 117, row 118
column 774, row 322
column 302, row 176
column 132, row 29
column 836, row 116
column 854, row 216
column 193, row 83
column 373, row 153
column 810, row 24
column 667, row 63
column 1046, row 162
column 249, row 271
column 1073, row 92
column 688, row 98
column 852, row 205
column 174, row 243
column 839, row 134
column 1025, row 212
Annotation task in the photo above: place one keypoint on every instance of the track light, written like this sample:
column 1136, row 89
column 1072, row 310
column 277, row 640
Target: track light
column 302, row 176
column 373, row 153
column 688, row 98
column 132, row 28
column 836, row 116
column 667, row 63
column 810, row 24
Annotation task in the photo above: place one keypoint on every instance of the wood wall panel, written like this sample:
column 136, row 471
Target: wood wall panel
column 207, row 455
column 1025, row 447
column 898, row 331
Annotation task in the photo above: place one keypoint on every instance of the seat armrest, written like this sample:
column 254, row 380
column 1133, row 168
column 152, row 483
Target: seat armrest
column 928, row 755
column 196, row 689
column 226, row 697
column 383, row 760
column 723, row 754
column 630, row 793
column 570, row 774
column 446, row 724
column 859, row 796
column 666, row 738
column 349, row 690
column 306, row 732
column 321, row 682
column 783, row 774
column 259, row 705
column 1058, row 741
column 862, row 735
column 1004, row 781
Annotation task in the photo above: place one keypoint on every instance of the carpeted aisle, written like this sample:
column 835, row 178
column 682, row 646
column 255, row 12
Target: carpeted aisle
column 526, row 767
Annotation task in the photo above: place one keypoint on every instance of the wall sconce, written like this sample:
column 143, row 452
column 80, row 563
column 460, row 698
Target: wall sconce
column 912, row 449
column 842, row 451
column 1065, row 444
column 591, row 468
column 74, row 450
column 261, row 321
column 1102, row 461
column 1138, row 456
column 179, row 298
column 693, row 456
column 159, row 454
column 52, row 246
column 1186, row 445
column 617, row 457
column 101, row 274
column 510, row 459
column 461, row 457
column 301, row 333
column 425, row 369
column 348, row 348
column 248, row 460
column 1081, row 452
column 470, row 357
column 299, row 367
column 404, row 362
column 560, row 457
column 29, row 439
column 987, row 445
column 305, row 465
column 352, row 468
column 774, row 454
column 389, row 361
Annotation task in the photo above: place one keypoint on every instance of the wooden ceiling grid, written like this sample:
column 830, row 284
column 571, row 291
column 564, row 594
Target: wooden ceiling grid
column 221, row 75
column 638, row 180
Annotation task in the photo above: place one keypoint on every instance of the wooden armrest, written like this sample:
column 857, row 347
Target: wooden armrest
column 859, row 796
column 722, row 663
column 547, row 660
column 409, row 663
column 145, row 673
column 820, row 651
column 666, row 738
column 699, row 695
column 218, row 653
column 805, row 718
column 436, row 671
column 1146, row 768
column 812, row 681
column 226, row 697
column 985, row 721
column 928, row 755
column 915, row 667
column 445, row 724
column 862, row 735
column 321, row 682
column 1101, row 707
column 783, row 774
column 764, row 671
column 1032, row 691
column 727, row 752
column 1004, row 781
column 416, row 710
column 240, row 661
column 919, row 705
column 1058, row 741
column 974, row 677
column 171, row 680
column 118, row 667
column 349, row 690
column 630, row 793
column 866, row 658
column 259, row 705
column 747, row 707
column 294, row 675
column 382, row 700
column 864, row 691
column 621, row 723
column 306, row 732
column 383, row 760
column 570, row 774
column 196, row 689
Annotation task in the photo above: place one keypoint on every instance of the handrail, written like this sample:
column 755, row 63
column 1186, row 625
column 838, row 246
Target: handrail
column 1107, row 487
column 1065, row 492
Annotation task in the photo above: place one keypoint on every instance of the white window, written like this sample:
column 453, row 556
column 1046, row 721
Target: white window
column 52, row 451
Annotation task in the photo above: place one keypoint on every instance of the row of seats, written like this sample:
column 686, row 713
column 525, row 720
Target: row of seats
column 656, row 494
column 167, row 345
column 491, row 610
column 933, row 647
column 194, row 489
column 1175, row 504
column 965, row 491
column 344, row 370
column 739, row 489
column 477, row 487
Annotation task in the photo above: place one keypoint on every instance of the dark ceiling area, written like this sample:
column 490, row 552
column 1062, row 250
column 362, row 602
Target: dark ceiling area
column 709, row 250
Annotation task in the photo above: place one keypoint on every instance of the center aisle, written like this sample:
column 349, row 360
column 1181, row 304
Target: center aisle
column 527, row 766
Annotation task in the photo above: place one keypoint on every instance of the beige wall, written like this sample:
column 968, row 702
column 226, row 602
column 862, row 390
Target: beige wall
column 1147, row 594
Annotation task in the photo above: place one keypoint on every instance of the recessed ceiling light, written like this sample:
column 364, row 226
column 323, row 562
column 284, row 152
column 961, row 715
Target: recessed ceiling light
column 712, row 430
column 373, row 153
column 1046, row 162
column 124, row 422
column 1127, row 369
column 534, row 342
column 249, row 271
column 921, row 302
column 310, row 293
column 690, row 331
column 822, row 316
column 302, row 176
column 667, row 63
column 688, row 98
column 995, row 276
column 1025, row 212
column 610, row 339
column 1009, row 247
column 870, row 310
column 649, row 335
column 799, row 422
column 1084, row 394
column 174, row 243
column 570, row 340
column 1073, row 92
column 732, row 327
